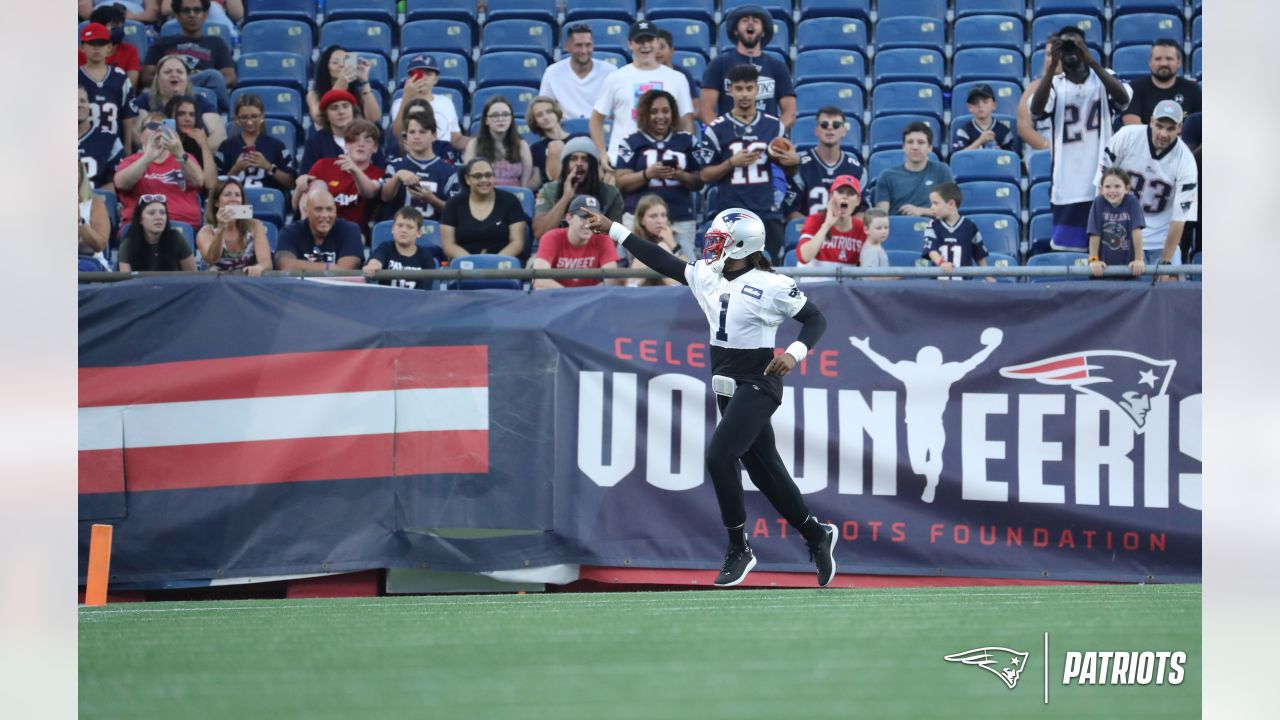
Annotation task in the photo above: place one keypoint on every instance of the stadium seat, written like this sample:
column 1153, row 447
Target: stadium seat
column 540, row 10
column 981, row 31
column 907, row 258
column 998, row 165
column 916, row 8
column 575, row 10
column 1058, row 258
column 985, row 196
column 1007, row 96
column 1000, row 232
column 1039, row 234
column 135, row 33
column 1125, row 7
column 1040, row 8
column 617, row 59
column 273, row 235
column 906, row 233
column 781, row 40
column 452, row 36
column 987, row 64
column 272, row 68
column 382, row 11
column 1043, row 27
column 518, row 35
column 995, row 259
column 886, row 132
column 268, row 204
column 527, row 199
column 1197, row 63
column 1038, row 199
column 846, row 96
column 802, row 134
column 829, row 66
column 608, row 35
column 907, row 31
column 286, row 131
column 510, row 68
column 576, row 126
column 278, row 101
column 463, row 10
column 694, row 63
column 880, row 161
column 362, row 36
column 207, row 94
column 969, row 8
column 860, row 9
column 302, row 10
column 455, row 69
column 485, row 262
column 1142, row 28
column 790, row 259
column 916, row 64
column 518, row 95
column 704, row 10
column 1040, row 166
column 687, row 34
column 791, row 239
column 832, row 33
column 291, row 36
column 1131, row 62
column 906, row 97
column 779, row 9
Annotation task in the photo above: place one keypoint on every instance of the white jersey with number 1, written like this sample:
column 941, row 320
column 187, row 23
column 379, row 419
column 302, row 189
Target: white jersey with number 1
column 744, row 313
column 1165, row 183
column 1081, row 130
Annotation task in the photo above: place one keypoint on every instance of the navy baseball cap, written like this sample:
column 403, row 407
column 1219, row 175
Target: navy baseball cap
column 423, row 61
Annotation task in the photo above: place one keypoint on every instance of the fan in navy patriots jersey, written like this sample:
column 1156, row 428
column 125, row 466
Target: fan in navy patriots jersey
column 952, row 239
column 99, row 151
column 111, row 100
column 653, row 145
column 810, row 187
column 252, row 175
column 434, row 175
column 741, row 132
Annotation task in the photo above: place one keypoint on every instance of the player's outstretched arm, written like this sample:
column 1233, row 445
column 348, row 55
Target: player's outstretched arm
column 650, row 254
column 991, row 339
column 864, row 344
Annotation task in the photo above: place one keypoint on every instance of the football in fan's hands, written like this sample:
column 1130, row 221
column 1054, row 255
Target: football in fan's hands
column 991, row 336
column 781, row 145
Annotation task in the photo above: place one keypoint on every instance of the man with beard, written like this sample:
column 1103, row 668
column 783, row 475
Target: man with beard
column 751, row 28
column 575, row 81
column 1080, row 95
column 1165, row 83
column 579, row 175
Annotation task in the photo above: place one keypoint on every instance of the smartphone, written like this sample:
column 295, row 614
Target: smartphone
column 417, row 74
column 172, row 125
column 671, row 163
column 248, row 149
column 241, row 212
column 350, row 61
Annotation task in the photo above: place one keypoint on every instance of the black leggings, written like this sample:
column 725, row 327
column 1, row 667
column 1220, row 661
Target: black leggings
column 745, row 433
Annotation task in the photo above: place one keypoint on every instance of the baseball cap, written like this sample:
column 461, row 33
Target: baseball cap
column 423, row 61
column 644, row 28
column 334, row 96
column 584, row 201
column 95, row 31
column 981, row 91
column 1168, row 109
column 846, row 181
column 580, row 144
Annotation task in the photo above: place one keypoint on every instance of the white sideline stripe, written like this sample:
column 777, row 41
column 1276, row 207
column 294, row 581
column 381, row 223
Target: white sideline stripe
column 283, row 418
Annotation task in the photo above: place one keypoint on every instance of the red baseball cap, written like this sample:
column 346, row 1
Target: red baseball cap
column 846, row 181
column 334, row 96
column 94, row 31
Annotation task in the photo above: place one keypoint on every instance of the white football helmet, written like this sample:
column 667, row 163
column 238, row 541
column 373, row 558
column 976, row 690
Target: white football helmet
column 735, row 233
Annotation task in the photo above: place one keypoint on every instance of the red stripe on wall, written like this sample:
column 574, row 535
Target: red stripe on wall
column 457, row 451
column 287, row 374
column 101, row 471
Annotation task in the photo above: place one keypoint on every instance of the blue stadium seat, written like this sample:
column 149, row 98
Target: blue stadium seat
column 510, row 68
column 781, row 40
column 527, row 199
column 906, row 97
column 906, row 234
column 518, row 95
column 303, row 10
column 608, row 35
column 704, row 10
column 694, row 63
column 463, row 10
column 846, row 96
column 1038, row 200
column 362, row 36
column 792, row 237
column 207, row 94
column 575, row 10
column 779, row 9
column 1131, row 62
column 286, row 131
column 995, row 259
column 906, row 258
column 969, row 8
column 990, row 64
column 802, row 134
column 135, row 33
column 272, row 68
column 268, row 204
column 985, row 196
column 1143, row 28
column 998, row 165
column 452, row 36
column 913, row 8
column 277, row 36
column 455, row 69
column 1040, row 166
column 1040, row 233
column 688, row 34
column 906, row 31
column 540, row 10
column 1197, row 63
column 886, row 131
column 1125, row 7
column 860, row 9
column 1058, row 258
column 273, row 235
column 1000, row 232
column 1040, row 8
column 1197, row 31
column 485, row 262
column 278, row 101
column 829, row 65
column 959, row 120
column 519, row 35
column 999, row 31
column 832, row 33
column 1007, row 96
column 790, row 259
column 1043, row 27
column 383, row 11
column 909, row 64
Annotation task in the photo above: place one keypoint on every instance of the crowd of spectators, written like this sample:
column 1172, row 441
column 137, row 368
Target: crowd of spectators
column 170, row 137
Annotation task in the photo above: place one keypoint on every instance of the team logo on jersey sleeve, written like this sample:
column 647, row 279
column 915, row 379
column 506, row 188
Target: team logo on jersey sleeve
column 1127, row 379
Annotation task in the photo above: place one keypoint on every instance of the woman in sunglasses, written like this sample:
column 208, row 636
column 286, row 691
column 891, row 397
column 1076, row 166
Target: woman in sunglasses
column 481, row 220
column 500, row 143
column 151, row 244
column 162, row 167
column 173, row 79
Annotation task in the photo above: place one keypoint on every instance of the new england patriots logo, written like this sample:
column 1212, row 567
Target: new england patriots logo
column 1127, row 379
column 731, row 219
column 1004, row 663
column 173, row 177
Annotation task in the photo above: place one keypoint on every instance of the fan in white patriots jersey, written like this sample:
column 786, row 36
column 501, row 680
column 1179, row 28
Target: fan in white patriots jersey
column 744, row 302
column 1162, row 172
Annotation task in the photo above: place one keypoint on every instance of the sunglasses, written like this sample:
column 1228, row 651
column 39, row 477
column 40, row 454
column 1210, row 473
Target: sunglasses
column 831, row 124
column 481, row 176
column 153, row 125
column 153, row 198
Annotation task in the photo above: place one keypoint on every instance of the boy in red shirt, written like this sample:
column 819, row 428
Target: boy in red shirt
column 833, row 236
column 575, row 247
column 352, row 178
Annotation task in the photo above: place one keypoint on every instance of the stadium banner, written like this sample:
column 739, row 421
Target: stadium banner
column 233, row 428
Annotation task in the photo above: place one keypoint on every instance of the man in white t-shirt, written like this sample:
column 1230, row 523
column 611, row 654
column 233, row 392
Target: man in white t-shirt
column 621, row 90
column 421, row 77
column 575, row 81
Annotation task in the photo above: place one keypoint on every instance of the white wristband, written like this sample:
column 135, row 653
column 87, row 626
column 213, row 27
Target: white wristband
column 797, row 350
column 618, row 232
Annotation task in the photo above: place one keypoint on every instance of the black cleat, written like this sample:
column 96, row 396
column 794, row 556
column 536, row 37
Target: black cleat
column 823, row 554
column 737, row 563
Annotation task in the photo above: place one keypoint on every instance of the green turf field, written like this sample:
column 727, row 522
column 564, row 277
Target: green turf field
column 712, row 654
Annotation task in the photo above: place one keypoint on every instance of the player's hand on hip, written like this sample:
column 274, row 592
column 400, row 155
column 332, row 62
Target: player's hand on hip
column 780, row 365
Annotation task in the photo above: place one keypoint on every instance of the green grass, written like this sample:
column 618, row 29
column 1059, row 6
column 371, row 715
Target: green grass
column 729, row 654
